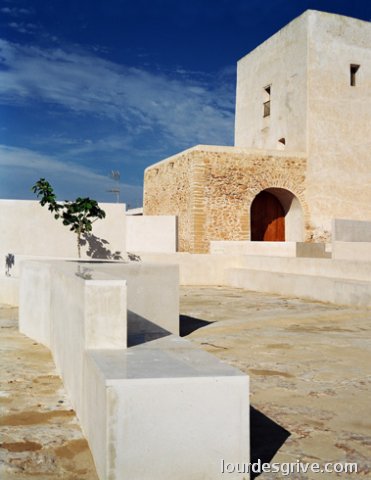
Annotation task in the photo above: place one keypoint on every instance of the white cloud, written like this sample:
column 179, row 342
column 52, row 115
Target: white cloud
column 23, row 27
column 20, row 168
column 183, row 108
column 16, row 12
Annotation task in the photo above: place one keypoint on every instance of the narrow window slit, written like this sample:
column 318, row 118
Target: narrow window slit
column 353, row 74
column 267, row 101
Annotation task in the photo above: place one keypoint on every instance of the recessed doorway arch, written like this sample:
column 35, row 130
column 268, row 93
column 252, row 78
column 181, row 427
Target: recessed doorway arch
column 276, row 216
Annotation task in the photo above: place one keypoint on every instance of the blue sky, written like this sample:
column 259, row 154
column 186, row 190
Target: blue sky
column 91, row 86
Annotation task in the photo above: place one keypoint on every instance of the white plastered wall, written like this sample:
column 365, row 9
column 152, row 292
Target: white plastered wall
column 281, row 63
column 339, row 119
column 151, row 233
column 27, row 228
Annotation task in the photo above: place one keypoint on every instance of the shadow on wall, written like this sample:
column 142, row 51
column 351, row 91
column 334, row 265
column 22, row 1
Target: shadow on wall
column 98, row 248
column 9, row 263
column 141, row 330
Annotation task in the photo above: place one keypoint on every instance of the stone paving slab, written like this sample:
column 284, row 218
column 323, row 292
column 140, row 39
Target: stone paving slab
column 310, row 372
column 40, row 437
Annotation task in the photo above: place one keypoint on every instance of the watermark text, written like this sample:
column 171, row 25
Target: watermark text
column 287, row 468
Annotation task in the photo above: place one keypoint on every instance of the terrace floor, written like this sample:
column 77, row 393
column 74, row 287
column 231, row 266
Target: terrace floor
column 310, row 376
column 310, row 372
column 40, row 437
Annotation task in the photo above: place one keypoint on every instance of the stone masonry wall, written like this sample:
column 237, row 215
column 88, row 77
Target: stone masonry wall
column 211, row 190
column 167, row 191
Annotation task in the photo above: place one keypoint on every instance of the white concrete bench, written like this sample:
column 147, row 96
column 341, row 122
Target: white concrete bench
column 169, row 411
column 160, row 410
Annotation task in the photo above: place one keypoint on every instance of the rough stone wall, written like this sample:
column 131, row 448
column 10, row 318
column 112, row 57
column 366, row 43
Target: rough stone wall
column 211, row 190
column 232, row 180
column 167, row 191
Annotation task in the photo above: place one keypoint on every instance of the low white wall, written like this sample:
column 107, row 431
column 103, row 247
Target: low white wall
column 325, row 289
column 27, row 228
column 152, row 296
column 70, row 309
column 159, row 410
column 200, row 269
column 203, row 269
column 270, row 249
column 43, row 284
column 207, row 269
column 356, row 251
column 344, row 230
column 9, row 291
column 152, row 293
column 151, row 233
column 281, row 249
column 35, row 301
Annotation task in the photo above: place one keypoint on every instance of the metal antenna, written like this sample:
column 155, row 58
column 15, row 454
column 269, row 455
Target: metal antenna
column 115, row 175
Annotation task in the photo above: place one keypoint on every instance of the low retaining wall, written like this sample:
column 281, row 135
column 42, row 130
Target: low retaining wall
column 351, row 230
column 158, row 410
column 353, row 251
column 200, row 269
column 269, row 249
column 326, row 289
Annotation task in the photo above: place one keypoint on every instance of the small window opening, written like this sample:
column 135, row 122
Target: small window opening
column 267, row 101
column 281, row 144
column 353, row 74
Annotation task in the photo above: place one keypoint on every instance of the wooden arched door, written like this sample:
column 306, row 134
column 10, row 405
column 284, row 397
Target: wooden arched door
column 267, row 218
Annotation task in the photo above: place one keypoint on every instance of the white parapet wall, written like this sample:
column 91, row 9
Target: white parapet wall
column 200, row 269
column 152, row 296
column 27, row 228
column 270, row 249
column 351, row 240
column 151, row 233
column 159, row 410
column 228, row 247
column 344, row 230
column 356, row 251
column 340, row 281
column 152, row 303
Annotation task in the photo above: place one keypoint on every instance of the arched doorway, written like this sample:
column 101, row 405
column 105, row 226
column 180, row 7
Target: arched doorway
column 276, row 216
column 267, row 219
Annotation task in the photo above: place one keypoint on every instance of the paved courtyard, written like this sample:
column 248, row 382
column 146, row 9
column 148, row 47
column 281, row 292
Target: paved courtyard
column 40, row 437
column 310, row 371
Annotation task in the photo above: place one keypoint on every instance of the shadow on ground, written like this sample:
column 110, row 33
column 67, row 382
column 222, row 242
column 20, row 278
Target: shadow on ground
column 266, row 438
column 187, row 324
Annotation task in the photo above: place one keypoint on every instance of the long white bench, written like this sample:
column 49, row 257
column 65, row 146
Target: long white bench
column 159, row 410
